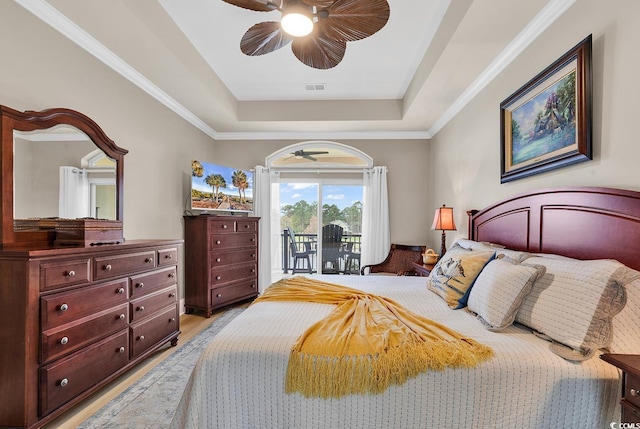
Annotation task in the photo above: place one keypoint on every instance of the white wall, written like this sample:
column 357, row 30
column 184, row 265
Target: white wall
column 465, row 155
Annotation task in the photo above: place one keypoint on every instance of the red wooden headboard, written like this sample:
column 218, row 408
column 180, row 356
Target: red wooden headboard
column 579, row 222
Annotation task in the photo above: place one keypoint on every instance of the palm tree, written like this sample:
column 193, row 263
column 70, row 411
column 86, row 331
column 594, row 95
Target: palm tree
column 216, row 181
column 239, row 180
column 197, row 170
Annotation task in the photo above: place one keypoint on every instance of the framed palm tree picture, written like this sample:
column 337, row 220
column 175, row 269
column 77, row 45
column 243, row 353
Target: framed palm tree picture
column 546, row 124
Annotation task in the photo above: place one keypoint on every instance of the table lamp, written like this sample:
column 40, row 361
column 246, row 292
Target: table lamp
column 443, row 220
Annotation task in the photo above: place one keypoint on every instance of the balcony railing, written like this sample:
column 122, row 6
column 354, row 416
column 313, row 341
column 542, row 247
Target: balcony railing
column 337, row 258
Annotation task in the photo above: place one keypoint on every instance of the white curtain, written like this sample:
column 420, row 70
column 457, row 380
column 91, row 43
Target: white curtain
column 267, row 207
column 73, row 199
column 376, row 238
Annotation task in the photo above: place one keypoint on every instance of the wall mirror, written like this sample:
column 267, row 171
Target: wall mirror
column 56, row 164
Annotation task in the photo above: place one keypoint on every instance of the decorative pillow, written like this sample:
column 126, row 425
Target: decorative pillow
column 455, row 273
column 574, row 303
column 626, row 324
column 500, row 289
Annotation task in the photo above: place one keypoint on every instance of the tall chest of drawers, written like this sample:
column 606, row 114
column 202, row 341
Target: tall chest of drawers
column 221, row 261
column 73, row 319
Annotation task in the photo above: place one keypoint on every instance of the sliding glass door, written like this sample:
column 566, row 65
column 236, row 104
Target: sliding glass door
column 321, row 222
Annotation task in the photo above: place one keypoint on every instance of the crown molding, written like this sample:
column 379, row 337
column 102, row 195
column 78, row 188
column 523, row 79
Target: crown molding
column 55, row 19
column 552, row 11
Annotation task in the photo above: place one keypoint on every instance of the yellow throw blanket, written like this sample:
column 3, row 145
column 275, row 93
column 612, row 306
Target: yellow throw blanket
column 367, row 343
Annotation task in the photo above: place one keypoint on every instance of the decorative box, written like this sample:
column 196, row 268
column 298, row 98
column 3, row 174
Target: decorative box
column 88, row 232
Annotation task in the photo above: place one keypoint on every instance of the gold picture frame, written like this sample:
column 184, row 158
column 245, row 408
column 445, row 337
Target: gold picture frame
column 546, row 124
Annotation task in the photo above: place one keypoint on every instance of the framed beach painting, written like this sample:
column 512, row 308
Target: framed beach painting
column 546, row 124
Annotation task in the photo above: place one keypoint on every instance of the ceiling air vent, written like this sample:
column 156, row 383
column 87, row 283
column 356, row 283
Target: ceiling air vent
column 314, row 86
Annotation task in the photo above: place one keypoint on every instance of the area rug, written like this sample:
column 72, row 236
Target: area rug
column 151, row 401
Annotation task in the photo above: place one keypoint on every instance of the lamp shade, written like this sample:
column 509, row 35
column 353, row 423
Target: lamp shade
column 443, row 219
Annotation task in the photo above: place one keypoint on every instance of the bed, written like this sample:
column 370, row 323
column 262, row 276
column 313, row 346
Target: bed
column 239, row 380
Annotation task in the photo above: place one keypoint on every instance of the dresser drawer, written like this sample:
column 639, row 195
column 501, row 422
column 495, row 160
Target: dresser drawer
column 113, row 266
column 148, row 332
column 168, row 256
column 231, row 241
column 630, row 413
column 144, row 284
column 72, row 336
column 632, row 389
column 64, row 307
column 64, row 273
column 221, row 276
column 247, row 226
column 222, row 226
column 67, row 378
column 221, row 296
column 149, row 304
column 231, row 257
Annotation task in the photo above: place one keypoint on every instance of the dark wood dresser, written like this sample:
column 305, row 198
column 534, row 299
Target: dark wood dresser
column 73, row 319
column 221, row 261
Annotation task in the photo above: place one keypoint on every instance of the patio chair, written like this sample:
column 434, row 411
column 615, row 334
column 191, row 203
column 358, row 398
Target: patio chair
column 300, row 251
column 332, row 249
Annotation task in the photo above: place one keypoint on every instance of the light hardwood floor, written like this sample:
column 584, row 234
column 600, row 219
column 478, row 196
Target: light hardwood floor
column 190, row 325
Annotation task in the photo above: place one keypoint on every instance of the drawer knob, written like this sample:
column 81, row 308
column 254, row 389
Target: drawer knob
column 253, row 286
column 253, row 270
column 224, row 226
column 141, row 308
column 121, row 350
column 173, row 319
column 64, row 340
column 64, row 382
column 148, row 260
column 252, row 240
column 71, row 273
column 141, row 338
column 122, row 316
column 246, row 226
column 107, row 267
column 120, row 291
column 172, row 295
column 172, row 275
column 218, row 259
column 168, row 256
column 633, row 392
column 140, row 285
column 218, row 277
column 217, row 241
column 253, row 255
column 219, row 295
column 64, row 307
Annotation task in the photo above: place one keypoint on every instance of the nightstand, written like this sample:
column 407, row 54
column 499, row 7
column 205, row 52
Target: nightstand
column 423, row 270
column 630, row 366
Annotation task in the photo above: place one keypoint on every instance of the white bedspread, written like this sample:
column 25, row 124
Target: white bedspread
column 239, row 380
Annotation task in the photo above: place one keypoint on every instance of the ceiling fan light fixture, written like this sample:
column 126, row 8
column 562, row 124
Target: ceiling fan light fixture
column 297, row 20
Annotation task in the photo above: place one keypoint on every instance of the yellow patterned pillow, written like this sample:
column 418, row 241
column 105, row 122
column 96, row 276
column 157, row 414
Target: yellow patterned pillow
column 454, row 274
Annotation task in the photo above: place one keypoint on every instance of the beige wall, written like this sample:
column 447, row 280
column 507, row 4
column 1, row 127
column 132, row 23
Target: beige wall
column 465, row 155
column 406, row 161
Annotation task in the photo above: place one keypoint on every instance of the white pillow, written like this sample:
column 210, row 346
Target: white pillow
column 626, row 324
column 516, row 255
column 499, row 291
column 574, row 303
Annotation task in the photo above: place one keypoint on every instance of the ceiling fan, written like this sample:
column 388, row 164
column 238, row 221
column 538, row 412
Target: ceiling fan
column 307, row 154
column 328, row 26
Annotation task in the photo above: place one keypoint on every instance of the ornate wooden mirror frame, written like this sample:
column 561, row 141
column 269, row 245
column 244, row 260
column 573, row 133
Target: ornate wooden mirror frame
column 13, row 120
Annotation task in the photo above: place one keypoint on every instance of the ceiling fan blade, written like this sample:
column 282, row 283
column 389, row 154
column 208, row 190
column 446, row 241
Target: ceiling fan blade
column 319, row 52
column 354, row 19
column 315, row 152
column 319, row 4
column 263, row 38
column 259, row 5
